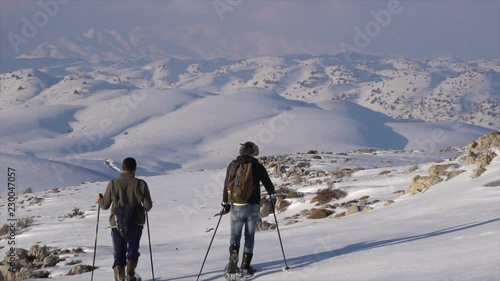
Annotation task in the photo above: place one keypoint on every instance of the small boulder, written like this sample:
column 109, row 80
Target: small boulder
column 79, row 269
column 352, row 209
column 319, row 214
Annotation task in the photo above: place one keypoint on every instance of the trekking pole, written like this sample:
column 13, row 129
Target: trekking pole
column 210, row 245
column 279, row 235
column 95, row 244
column 150, row 251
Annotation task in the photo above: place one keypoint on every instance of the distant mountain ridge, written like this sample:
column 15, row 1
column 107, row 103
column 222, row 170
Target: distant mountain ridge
column 440, row 89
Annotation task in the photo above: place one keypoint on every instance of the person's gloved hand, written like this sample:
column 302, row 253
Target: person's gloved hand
column 226, row 207
column 272, row 197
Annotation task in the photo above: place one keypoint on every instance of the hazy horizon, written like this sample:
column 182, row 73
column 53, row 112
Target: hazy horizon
column 236, row 29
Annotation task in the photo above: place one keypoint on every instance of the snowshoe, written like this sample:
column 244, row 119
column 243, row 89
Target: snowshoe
column 232, row 272
column 249, row 272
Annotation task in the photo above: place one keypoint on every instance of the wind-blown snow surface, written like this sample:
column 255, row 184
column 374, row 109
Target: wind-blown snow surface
column 449, row 232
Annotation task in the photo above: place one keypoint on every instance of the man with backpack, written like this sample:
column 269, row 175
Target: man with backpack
column 241, row 197
column 129, row 199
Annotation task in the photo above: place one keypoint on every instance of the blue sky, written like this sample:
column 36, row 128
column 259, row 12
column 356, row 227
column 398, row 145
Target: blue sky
column 243, row 28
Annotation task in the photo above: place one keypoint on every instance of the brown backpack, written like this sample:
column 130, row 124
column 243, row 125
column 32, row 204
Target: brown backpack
column 240, row 186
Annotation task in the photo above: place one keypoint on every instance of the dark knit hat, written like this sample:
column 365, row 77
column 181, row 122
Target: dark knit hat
column 249, row 148
column 129, row 164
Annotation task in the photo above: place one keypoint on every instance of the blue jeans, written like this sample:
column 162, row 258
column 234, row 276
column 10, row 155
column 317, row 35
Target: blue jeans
column 124, row 250
column 248, row 216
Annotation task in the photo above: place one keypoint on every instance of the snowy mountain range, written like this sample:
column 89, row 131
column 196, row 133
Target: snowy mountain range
column 440, row 89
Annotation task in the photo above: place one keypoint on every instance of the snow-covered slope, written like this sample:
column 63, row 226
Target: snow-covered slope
column 449, row 232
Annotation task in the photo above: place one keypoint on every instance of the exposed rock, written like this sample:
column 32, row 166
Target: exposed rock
column 419, row 183
column 312, row 152
column 491, row 140
column 304, row 212
column 438, row 170
column 482, row 161
column 38, row 252
column 292, row 222
column 352, row 209
column 453, row 174
column 294, row 194
column 400, row 191
column 319, row 214
column 366, row 209
column 340, row 215
column 317, row 157
column 478, row 172
column 79, row 269
column 364, row 198
column 282, row 205
column 264, row 225
column 50, row 261
column 388, row 202
column 40, row 274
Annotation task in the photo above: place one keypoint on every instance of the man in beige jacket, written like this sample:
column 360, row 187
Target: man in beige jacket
column 126, row 190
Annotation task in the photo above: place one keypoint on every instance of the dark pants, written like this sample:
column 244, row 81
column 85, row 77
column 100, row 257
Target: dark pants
column 124, row 250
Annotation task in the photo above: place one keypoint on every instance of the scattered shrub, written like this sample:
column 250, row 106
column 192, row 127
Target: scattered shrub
column 328, row 194
column 4, row 230
column 24, row 222
column 298, row 180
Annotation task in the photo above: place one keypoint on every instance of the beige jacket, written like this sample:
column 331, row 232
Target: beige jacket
column 129, row 190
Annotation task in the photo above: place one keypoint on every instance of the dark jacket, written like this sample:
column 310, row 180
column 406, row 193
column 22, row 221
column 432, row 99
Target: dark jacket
column 128, row 191
column 259, row 174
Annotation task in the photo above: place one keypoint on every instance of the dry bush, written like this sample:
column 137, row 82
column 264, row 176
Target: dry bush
column 384, row 172
column 24, row 222
column 298, row 180
column 4, row 230
column 340, row 173
column 328, row 194
column 28, row 190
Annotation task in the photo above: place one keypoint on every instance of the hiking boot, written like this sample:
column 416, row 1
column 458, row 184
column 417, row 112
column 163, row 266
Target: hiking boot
column 131, row 265
column 232, row 266
column 119, row 273
column 246, row 268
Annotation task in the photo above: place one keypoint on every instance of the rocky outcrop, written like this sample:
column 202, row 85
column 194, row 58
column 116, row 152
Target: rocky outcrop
column 480, row 152
column 34, row 263
column 418, row 183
